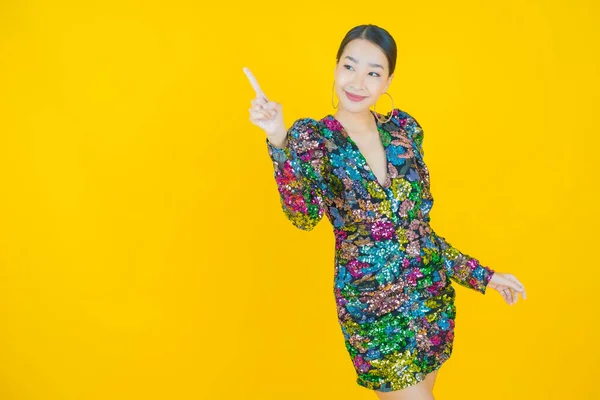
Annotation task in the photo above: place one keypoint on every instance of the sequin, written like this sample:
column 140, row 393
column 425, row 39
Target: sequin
column 392, row 272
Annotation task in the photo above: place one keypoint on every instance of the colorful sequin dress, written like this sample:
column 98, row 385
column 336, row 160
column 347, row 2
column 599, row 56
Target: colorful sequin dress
column 392, row 280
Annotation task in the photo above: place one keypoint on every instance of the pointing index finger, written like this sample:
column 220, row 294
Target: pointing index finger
column 255, row 84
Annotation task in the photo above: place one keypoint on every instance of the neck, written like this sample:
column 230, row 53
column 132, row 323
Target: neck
column 359, row 122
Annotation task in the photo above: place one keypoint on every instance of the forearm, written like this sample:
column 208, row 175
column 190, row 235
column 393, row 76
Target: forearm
column 296, row 176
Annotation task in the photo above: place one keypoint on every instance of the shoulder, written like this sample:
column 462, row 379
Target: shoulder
column 306, row 123
column 404, row 119
column 306, row 128
column 408, row 123
column 305, row 136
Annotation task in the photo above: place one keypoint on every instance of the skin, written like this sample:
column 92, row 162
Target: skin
column 363, row 70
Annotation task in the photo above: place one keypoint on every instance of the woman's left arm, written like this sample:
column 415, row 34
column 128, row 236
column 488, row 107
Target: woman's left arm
column 459, row 266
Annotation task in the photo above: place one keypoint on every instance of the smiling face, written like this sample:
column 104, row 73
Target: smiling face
column 361, row 71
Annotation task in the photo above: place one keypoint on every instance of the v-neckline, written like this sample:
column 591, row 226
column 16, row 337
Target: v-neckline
column 387, row 181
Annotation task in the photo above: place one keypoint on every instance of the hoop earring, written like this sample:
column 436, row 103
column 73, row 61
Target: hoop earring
column 375, row 109
column 332, row 90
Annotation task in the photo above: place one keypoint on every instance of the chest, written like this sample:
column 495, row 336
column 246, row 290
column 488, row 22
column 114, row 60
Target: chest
column 370, row 148
column 369, row 166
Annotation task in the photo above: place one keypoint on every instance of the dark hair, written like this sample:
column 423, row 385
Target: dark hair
column 376, row 35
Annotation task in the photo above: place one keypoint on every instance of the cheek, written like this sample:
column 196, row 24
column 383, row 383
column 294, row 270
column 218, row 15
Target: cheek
column 342, row 83
column 342, row 78
column 375, row 89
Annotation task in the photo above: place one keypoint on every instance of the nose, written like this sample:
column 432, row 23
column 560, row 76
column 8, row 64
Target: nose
column 357, row 82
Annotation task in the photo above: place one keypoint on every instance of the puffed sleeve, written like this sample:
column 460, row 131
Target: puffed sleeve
column 298, row 171
column 460, row 267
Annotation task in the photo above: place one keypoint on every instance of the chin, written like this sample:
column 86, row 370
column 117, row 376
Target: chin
column 355, row 107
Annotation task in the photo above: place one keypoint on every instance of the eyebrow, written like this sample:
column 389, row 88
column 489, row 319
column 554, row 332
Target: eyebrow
column 370, row 64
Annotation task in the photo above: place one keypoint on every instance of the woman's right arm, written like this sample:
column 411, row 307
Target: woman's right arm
column 298, row 159
column 298, row 171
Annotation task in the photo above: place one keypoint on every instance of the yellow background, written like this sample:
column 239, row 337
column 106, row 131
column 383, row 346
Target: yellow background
column 144, row 254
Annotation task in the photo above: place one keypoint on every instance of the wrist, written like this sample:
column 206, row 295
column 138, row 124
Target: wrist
column 277, row 141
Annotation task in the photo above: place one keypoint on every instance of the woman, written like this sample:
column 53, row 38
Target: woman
column 366, row 172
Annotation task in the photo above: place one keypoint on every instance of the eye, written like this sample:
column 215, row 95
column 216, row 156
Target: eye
column 350, row 66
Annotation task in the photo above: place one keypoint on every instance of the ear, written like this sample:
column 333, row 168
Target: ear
column 389, row 82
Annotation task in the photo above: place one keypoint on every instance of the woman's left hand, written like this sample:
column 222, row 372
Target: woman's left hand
column 508, row 286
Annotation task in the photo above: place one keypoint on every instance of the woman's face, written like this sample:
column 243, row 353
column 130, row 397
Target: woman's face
column 361, row 71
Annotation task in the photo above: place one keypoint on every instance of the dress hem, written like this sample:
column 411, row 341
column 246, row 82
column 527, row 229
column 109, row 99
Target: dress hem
column 367, row 385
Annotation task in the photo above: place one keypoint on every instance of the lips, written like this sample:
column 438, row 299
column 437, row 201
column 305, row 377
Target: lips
column 354, row 97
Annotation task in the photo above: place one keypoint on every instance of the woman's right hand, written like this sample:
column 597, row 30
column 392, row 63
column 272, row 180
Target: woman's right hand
column 265, row 114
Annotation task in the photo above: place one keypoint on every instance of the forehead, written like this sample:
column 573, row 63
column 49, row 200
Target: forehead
column 364, row 51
